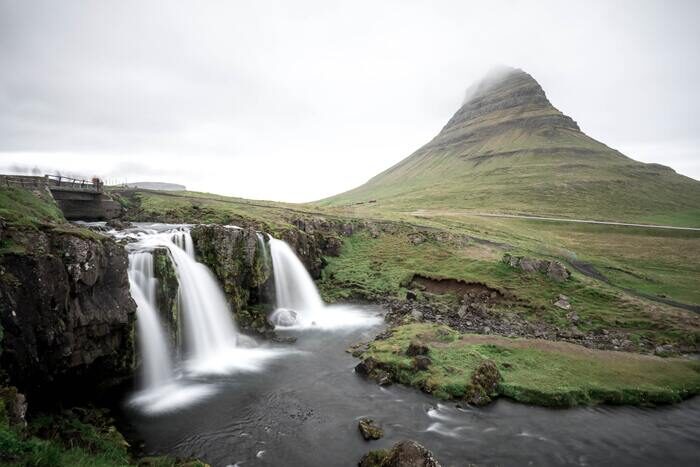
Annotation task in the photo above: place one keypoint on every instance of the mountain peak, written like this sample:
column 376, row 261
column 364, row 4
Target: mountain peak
column 507, row 95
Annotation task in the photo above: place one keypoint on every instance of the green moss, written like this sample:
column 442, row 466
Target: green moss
column 167, row 292
column 536, row 372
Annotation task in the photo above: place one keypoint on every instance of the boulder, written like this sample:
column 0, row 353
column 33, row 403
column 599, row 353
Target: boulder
column 283, row 317
column 484, row 382
column 554, row 270
column 369, row 429
column 563, row 302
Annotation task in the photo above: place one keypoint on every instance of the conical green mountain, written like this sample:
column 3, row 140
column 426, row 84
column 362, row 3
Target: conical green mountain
column 507, row 149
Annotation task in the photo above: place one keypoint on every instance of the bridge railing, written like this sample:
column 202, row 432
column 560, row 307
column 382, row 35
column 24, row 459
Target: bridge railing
column 69, row 183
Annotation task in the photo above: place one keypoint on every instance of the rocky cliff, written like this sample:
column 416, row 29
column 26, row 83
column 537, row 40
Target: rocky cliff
column 237, row 259
column 65, row 309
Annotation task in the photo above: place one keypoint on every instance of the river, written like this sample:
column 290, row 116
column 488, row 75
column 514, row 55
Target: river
column 302, row 408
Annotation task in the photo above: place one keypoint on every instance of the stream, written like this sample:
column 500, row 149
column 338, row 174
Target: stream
column 302, row 407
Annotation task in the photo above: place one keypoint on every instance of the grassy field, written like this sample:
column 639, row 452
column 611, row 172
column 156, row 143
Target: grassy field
column 535, row 371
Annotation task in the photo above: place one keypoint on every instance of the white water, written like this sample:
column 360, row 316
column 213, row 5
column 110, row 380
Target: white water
column 299, row 304
column 213, row 343
column 156, row 366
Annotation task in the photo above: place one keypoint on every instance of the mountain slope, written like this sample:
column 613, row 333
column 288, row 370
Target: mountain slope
column 507, row 149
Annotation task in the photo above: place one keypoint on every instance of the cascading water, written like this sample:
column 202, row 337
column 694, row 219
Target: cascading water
column 213, row 343
column 299, row 304
column 294, row 288
column 156, row 365
column 209, row 327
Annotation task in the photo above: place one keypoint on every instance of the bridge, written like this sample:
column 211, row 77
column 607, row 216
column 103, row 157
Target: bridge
column 79, row 199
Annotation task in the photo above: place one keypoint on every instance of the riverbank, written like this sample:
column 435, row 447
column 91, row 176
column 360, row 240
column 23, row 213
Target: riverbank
column 476, row 369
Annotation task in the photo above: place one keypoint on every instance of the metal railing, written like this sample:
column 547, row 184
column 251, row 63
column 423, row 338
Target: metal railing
column 69, row 183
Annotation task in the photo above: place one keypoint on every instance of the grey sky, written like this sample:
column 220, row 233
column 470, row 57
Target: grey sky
column 295, row 101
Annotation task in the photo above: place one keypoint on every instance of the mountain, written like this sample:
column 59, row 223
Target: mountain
column 508, row 149
column 160, row 186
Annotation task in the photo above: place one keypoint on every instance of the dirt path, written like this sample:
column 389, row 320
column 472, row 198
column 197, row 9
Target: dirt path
column 583, row 221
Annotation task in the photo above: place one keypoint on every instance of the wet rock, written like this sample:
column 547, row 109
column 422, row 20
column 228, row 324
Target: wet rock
column 421, row 362
column 369, row 429
column 417, row 315
column 417, row 348
column 366, row 366
column 383, row 378
column 283, row 317
column 402, row 454
column 484, row 381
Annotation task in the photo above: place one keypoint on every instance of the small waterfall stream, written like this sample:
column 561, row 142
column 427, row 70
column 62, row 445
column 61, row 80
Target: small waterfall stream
column 299, row 305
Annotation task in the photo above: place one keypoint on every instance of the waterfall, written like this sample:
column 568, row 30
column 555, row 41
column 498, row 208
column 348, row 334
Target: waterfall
column 156, row 365
column 294, row 288
column 212, row 341
column 299, row 304
column 209, row 327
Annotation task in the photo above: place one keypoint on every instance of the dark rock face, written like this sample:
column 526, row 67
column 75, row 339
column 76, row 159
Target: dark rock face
column 402, row 454
column 369, row 429
column 553, row 269
column 167, row 294
column 66, row 313
column 242, row 267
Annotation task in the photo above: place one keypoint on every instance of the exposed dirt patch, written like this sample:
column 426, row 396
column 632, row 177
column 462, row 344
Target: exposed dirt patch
column 455, row 286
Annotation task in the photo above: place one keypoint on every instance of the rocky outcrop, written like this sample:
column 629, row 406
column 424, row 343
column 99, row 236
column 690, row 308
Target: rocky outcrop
column 242, row 266
column 66, row 312
column 554, row 270
column 402, row 454
column 167, row 294
column 314, row 238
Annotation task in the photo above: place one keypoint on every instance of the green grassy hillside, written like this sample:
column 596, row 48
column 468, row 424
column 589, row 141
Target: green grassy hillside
column 509, row 150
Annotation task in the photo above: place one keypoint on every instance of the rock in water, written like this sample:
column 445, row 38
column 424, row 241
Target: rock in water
column 283, row 317
column 402, row 454
column 369, row 430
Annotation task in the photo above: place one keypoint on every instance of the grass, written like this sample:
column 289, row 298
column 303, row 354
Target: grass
column 25, row 208
column 537, row 372
column 61, row 440
column 381, row 267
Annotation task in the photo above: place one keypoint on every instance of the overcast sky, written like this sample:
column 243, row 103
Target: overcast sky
column 295, row 101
